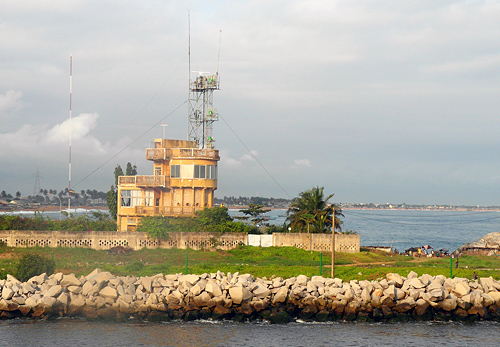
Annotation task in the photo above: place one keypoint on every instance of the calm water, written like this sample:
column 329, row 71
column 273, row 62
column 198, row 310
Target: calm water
column 68, row 332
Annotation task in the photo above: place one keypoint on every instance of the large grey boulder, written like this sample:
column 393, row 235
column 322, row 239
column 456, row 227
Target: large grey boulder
column 240, row 294
column 7, row 293
column 70, row 280
column 108, row 292
column 53, row 291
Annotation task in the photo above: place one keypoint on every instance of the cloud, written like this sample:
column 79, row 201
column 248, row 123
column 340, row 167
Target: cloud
column 249, row 156
column 10, row 102
column 78, row 126
column 302, row 162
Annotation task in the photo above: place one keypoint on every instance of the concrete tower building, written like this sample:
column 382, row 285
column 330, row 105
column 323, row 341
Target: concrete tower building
column 184, row 171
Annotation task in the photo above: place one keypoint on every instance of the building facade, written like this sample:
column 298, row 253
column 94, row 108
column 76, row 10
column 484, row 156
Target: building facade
column 184, row 180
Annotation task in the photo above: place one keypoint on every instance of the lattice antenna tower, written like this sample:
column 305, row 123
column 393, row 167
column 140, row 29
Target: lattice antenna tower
column 202, row 113
column 36, row 189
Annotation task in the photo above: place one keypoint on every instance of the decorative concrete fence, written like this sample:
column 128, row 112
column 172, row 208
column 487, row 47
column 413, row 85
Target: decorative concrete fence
column 347, row 243
column 102, row 240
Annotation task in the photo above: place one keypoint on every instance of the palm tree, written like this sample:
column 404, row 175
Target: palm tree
column 313, row 203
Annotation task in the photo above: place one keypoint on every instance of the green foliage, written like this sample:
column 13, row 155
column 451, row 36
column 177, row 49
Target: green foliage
column 112, row 200
column 135, row 267
column 155, row 226
column 258, row 261
column 214, row 215
column 131, row 170
column 311, row 211
column 213, row 220
column 33, row 265
column 118, row 172
column 254, row 211
column 270, row 229
column 96, row 221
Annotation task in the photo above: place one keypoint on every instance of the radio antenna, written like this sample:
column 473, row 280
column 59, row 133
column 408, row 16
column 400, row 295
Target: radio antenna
column 218, row 54
column 189, row 68
column 70, row 126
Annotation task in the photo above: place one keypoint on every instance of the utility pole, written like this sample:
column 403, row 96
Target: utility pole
column 333, row 246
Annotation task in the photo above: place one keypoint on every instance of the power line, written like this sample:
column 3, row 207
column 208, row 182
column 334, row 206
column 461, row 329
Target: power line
column 418, row 223
column 254, row 157
column 408, row 216
column 131, row 143
column 138, row 114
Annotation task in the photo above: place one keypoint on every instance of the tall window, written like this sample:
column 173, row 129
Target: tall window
column 136, row 198
column 125, row 198
column 175, row 171
column 132, row 198
column 199, row 171
column 212, row 172
column 148, row 198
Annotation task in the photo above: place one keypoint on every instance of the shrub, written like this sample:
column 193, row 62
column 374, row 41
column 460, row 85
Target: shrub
column 155, row 226
column 276, row 229
column 33, row 265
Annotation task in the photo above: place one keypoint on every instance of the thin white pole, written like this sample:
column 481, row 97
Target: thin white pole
column 70, row 126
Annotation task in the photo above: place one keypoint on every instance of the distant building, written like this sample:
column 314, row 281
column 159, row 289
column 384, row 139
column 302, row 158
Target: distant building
column 185, row 171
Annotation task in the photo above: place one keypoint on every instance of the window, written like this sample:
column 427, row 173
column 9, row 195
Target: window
column 136, row 198
column 175, row 171
column 199, row 171
column 148, row 198
column 132, row 198
column 125, row 198
column 157, row 170
column 212, row 172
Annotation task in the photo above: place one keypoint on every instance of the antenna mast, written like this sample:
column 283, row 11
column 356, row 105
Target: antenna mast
column 70, row 125
column 202, row 113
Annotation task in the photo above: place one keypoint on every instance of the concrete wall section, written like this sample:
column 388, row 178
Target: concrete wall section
column 102, row 240
column 347, row 243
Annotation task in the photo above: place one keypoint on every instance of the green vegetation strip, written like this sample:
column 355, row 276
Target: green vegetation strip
column 260, row 262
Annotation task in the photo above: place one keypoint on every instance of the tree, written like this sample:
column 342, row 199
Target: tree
column 311, row 209
column 214, row 215
column 111, row 195
column 254, row 211
column 112, row 200
column 131, row 170
column 118, row 172
column 18, row 194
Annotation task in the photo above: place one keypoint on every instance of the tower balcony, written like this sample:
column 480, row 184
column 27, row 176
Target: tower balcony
column 158, row 154
column 194, row 153
column 143, row 181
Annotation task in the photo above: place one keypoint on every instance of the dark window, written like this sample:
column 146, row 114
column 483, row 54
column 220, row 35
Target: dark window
column 175, row 171
column 200, row 171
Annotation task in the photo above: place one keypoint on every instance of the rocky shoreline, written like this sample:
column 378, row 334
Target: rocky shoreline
column 100, row 295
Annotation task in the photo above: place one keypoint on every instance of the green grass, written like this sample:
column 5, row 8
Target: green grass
column 260, row 262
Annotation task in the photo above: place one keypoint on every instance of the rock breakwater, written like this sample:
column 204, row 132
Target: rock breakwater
column 241, row 297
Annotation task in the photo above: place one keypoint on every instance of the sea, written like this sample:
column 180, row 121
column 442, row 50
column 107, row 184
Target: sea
column 400, row 229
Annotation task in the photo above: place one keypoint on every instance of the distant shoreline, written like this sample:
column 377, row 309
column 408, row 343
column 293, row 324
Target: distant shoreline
column 53, row 208
column 496, row 209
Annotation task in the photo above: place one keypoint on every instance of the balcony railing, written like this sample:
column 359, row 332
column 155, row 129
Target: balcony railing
column 201, row 153
column 167, row 153
column 144, row 181
column 156, row 154
column 167, row 210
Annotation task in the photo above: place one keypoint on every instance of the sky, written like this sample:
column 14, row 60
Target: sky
column 376, row 101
